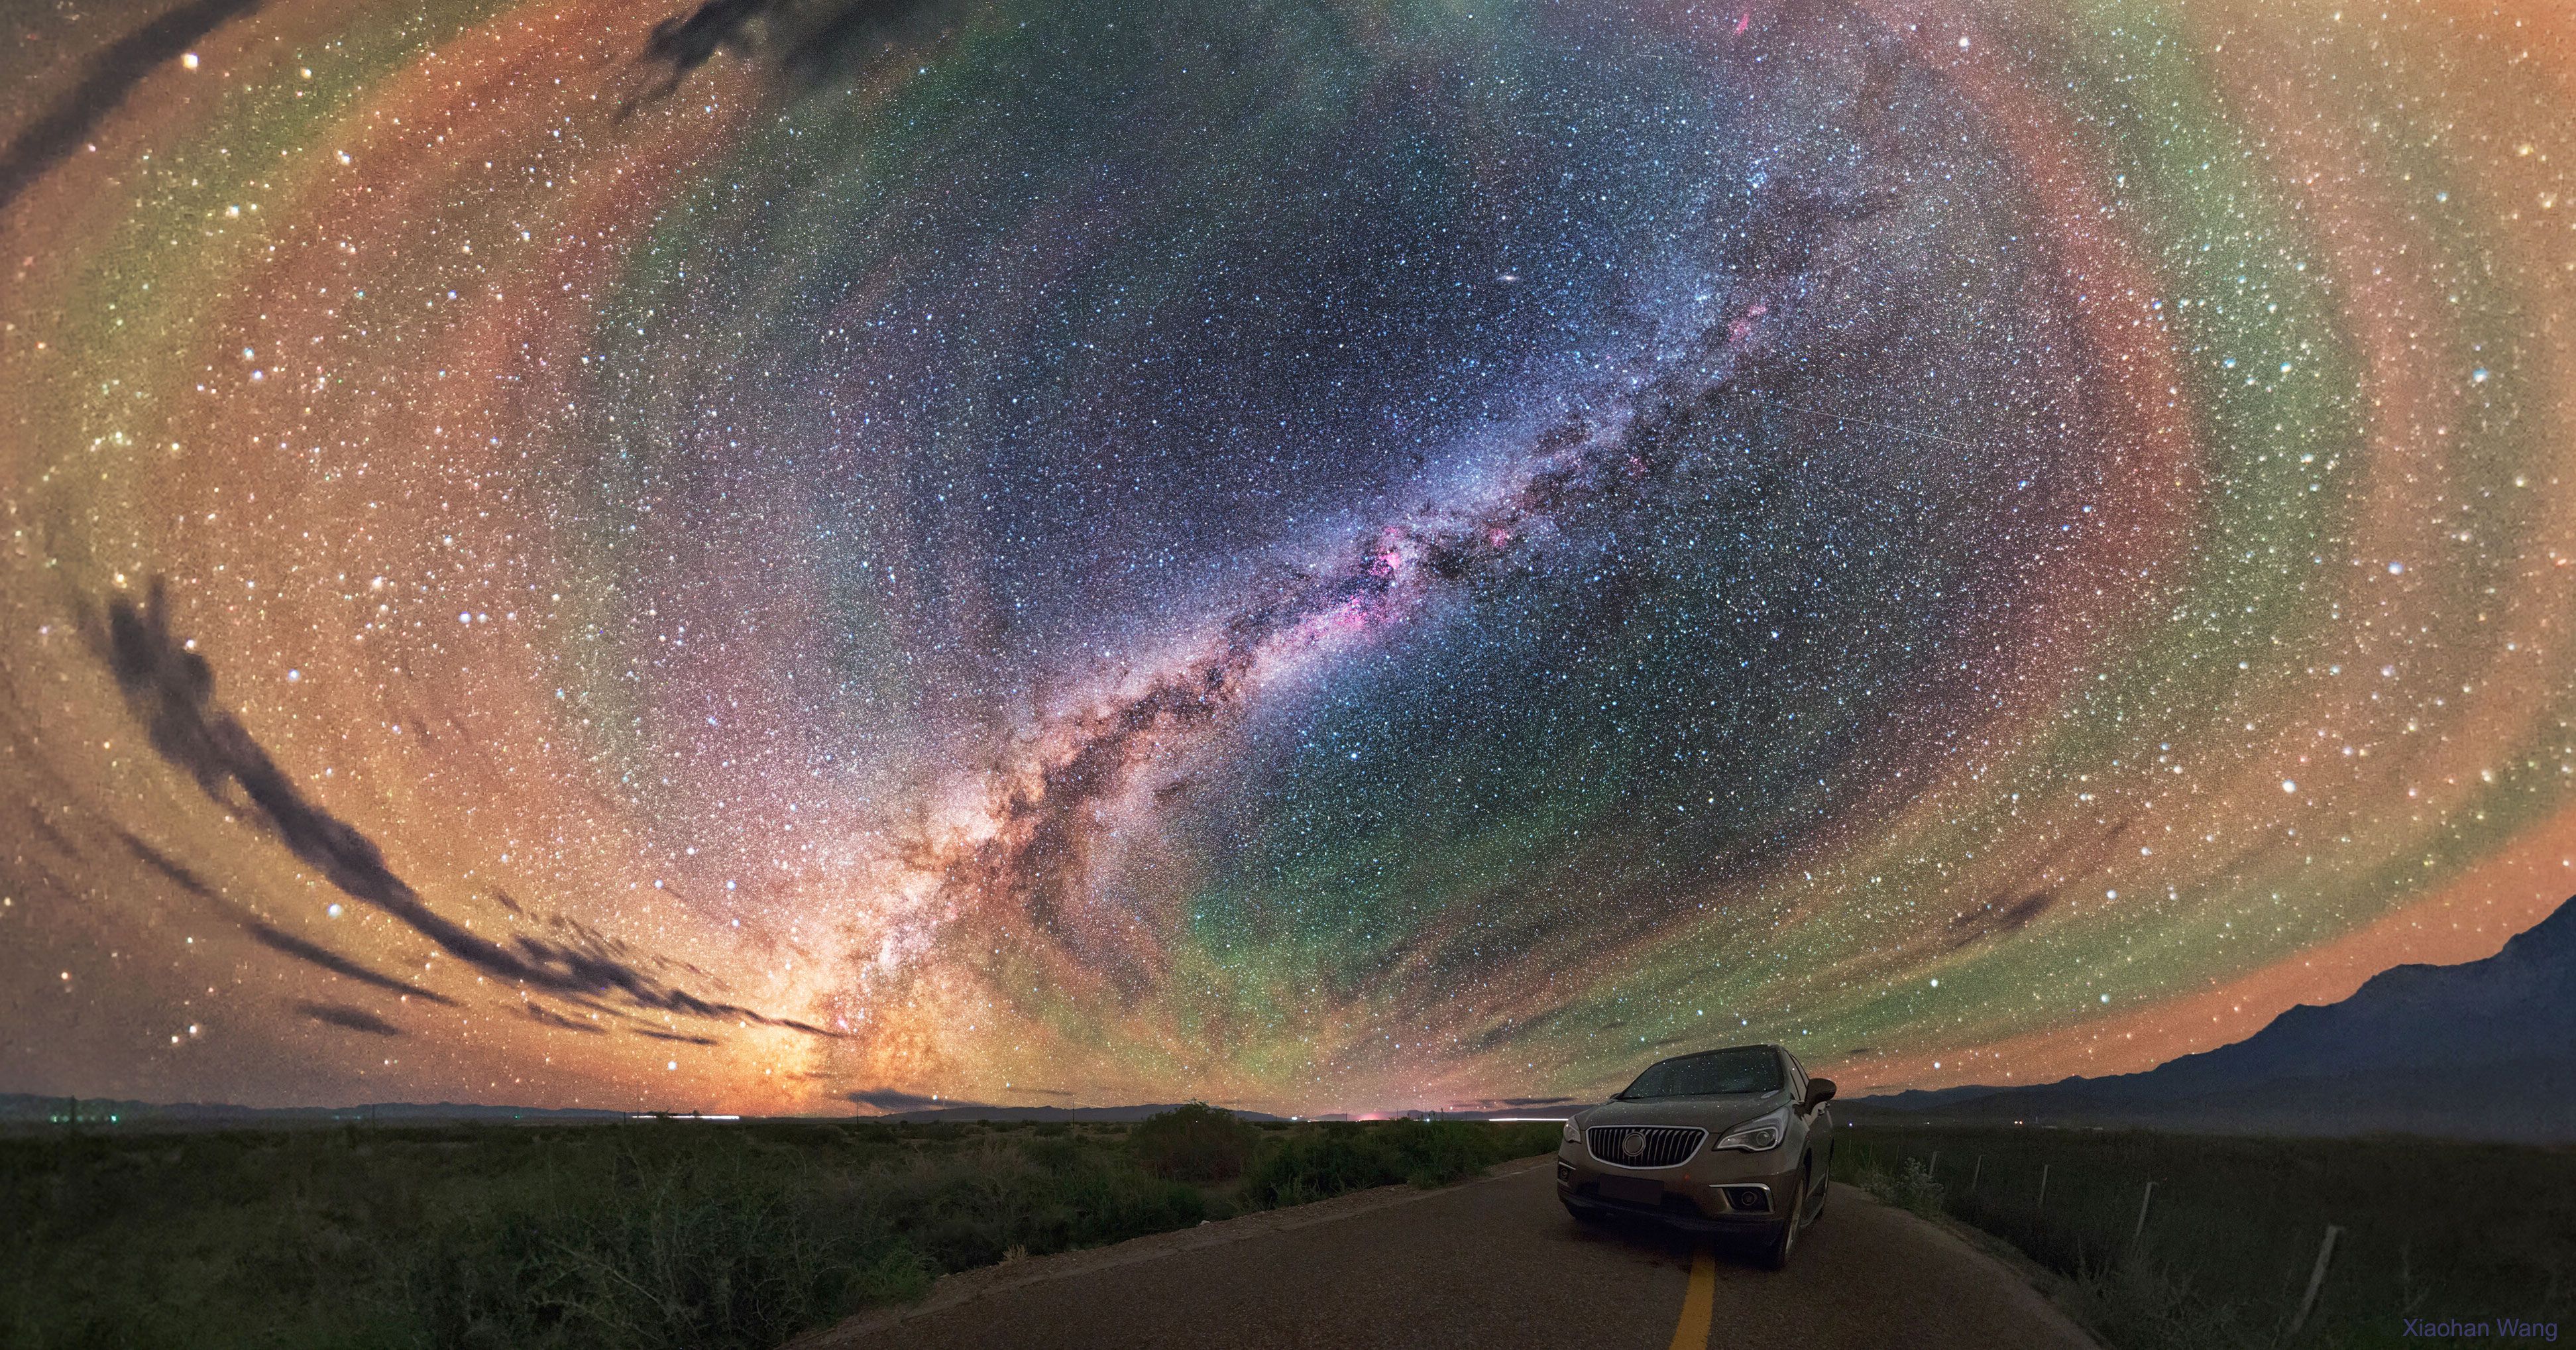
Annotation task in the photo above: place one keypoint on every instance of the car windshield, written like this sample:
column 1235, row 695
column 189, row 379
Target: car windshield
column 1748, row 1069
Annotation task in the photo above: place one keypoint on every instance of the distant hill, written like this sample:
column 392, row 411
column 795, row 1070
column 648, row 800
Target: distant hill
column 24, row 1109
column 1095, row 1114
column 1923, row 1099
column 2481, row 1050
column 18, row 1108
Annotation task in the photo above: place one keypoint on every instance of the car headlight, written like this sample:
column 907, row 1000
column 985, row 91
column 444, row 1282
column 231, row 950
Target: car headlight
column 1759, row 1135
column 1573, row 1135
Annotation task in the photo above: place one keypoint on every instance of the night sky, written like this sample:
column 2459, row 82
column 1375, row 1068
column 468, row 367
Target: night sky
column 1325, row 556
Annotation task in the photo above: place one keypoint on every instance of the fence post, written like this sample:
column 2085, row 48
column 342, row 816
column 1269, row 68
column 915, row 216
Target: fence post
column 2042, row 1203
column 2316, row 1281
column 1978, row 1171
column 2143, row 1201
column 1936, row 1162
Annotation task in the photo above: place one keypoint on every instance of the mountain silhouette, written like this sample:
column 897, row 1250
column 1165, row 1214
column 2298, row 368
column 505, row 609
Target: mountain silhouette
column 2481, row 1050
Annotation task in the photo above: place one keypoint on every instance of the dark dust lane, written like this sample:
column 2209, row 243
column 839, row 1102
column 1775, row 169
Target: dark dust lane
column 1490, row 1263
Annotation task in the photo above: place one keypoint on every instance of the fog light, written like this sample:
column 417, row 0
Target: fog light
column 1747, row 1199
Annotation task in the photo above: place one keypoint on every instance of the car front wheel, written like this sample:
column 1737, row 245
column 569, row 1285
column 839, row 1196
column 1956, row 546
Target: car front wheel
column 1775, row 1253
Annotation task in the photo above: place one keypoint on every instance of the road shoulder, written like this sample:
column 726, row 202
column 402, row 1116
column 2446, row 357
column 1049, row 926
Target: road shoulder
column 2028, row 1285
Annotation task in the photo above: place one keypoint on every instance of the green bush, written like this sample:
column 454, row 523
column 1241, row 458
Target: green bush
column 1196, row 1142
column 1338, row 1157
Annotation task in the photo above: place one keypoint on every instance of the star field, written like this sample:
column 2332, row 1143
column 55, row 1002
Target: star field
column 1324, row 556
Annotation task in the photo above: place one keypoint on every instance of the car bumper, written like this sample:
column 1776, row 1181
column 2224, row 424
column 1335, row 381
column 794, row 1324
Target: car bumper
column 1713, row 1192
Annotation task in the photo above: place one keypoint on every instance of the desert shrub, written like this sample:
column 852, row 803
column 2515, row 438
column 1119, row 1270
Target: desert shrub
column 2139, row 1303
column 1435, row 1154
column 1334, row 1158
column 1337, row 1157
column 1914, row 1189
column 1196, row 1142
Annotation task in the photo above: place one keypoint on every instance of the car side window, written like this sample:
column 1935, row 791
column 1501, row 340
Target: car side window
column 1797, row 1077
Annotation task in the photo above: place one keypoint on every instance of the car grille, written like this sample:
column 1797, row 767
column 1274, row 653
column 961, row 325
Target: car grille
column 1654, row 1145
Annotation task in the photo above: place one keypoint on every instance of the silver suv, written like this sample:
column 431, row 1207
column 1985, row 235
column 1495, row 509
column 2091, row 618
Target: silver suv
column 1734, row 1142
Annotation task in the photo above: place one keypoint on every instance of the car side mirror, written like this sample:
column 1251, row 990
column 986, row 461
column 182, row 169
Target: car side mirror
column 1819, row 1092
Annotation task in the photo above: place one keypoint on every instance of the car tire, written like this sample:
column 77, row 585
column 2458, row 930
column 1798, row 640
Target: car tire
column 1776, row 1251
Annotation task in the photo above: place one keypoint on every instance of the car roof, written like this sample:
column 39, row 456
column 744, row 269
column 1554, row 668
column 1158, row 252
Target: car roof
column 1722, row 1050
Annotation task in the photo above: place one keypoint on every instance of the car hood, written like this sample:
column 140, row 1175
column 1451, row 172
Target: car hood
column 1710, row 1113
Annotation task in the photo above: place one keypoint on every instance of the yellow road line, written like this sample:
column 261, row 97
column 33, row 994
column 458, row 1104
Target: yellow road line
column 1700, row 1304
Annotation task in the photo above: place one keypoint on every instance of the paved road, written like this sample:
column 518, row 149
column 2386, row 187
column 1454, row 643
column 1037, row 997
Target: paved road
column 1492, row 1263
